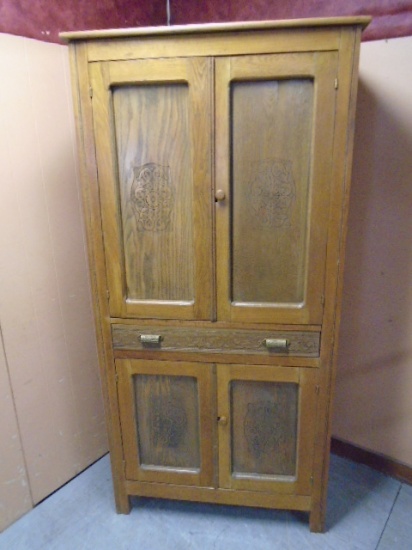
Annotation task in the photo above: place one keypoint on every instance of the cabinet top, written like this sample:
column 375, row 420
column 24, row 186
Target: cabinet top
column 361, row 21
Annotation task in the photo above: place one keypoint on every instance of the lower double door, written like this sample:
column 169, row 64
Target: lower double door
column 227, row 426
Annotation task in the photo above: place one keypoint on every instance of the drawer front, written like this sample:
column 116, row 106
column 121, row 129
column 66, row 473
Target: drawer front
column 260, row 342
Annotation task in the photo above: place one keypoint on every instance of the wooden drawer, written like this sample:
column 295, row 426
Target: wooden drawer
column 261, row 342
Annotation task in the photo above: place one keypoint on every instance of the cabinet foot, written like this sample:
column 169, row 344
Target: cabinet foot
column 317, row 521
column 123, row 504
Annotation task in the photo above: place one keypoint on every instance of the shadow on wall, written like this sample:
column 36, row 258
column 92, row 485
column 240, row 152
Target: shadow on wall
column 375, row 354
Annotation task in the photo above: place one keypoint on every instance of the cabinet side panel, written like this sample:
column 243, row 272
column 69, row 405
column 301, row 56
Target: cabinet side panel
column 340, row 187
column 91, row 209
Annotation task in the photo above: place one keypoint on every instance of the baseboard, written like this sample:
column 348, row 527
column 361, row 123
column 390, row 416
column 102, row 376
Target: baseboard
column 379, row 462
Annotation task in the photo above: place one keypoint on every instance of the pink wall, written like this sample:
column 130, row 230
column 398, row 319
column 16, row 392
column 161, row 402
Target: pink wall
column 15, row 497
column 51, row 409
column 373, row 405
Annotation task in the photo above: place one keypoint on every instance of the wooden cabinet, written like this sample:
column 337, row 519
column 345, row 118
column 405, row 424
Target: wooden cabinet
column 215, row 163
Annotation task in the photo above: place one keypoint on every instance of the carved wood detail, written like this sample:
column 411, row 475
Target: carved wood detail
column 168, row 421
column 273, row 192
column 215, row 340
column 152, row 197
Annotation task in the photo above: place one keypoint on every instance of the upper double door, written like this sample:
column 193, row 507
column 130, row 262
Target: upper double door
column 214, row 178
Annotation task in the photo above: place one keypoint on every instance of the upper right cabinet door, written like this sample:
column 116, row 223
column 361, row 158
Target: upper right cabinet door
column 274, row 142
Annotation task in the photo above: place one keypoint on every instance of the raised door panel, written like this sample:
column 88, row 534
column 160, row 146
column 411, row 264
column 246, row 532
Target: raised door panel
column 152, row 123
column 167, row 428
column 274, row 132
column 266, row 438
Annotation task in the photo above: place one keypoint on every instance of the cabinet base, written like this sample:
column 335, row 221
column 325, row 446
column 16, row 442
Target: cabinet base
column 223, row 496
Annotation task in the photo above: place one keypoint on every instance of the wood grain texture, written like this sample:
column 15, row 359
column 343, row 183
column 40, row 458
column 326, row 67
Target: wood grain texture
column 95, row 248
column 238, row 430
column 264, row 421
column 219, row 356
column 260, row 499
column 155, row 188
column 214, row 324
column 167, row 418
column 270, row 188
column 231, row 129
column 218, row 27
column 342, row 162
column 310, row 179
column 154, row 160
column 218, row 340
column 215, row 44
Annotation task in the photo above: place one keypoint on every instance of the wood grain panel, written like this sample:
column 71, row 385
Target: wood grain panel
column 214, row 44
column 216, row 340
column 312, row 177
column 167, row 421
column 95, row 248
column 212, row 357
column 319, row 24
column 167, row 418
column 154, row 164
column 259, row 392
column 339, row 205
column 156, row 182
column 270, row 188
column 264, row 421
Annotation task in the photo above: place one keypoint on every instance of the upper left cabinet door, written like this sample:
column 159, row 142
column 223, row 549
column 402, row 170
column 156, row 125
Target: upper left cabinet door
column 152, row 126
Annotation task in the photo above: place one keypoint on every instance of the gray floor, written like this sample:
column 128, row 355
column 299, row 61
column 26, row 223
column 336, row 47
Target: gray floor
column 366, row 510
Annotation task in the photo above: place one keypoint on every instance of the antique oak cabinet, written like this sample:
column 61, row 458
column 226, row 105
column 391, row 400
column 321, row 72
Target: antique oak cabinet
column 215, row 164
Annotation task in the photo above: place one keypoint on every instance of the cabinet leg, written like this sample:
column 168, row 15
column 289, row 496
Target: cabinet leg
column 317, row 520
column 122, row 503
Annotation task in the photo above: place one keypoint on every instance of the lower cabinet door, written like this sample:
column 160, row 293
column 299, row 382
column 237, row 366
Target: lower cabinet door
column 266, row 418
column 166, row 421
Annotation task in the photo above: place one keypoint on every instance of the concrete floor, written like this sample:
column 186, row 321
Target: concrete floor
column 366, row 510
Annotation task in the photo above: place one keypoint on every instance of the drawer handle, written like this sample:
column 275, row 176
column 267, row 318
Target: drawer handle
column 150, row 339
column 276, row 343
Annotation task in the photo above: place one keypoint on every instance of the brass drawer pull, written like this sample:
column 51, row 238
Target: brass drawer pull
column 150, row 339
column 276, row 343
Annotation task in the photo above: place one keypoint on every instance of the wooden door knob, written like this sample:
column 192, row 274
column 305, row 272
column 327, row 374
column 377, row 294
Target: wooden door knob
column 220, row 195
column 222, row 420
